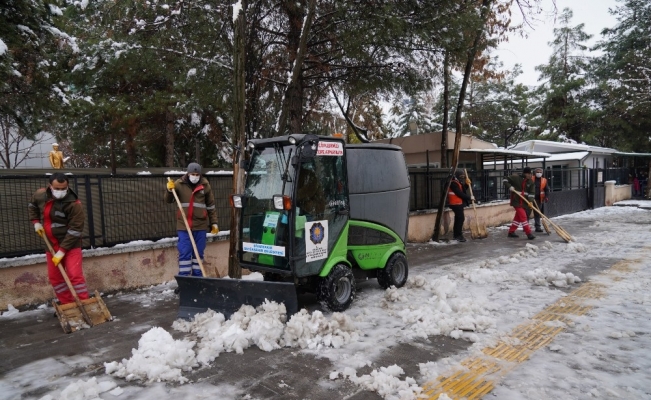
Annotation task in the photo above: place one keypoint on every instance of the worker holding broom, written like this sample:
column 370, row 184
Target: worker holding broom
column 542, row 197
column 457, row 200
column 523, row 185
column 57, row 214
column 198, row 202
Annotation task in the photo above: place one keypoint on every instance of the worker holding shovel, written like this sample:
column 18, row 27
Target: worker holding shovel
column 195, row 216
column 57, row 214
column 523, row 185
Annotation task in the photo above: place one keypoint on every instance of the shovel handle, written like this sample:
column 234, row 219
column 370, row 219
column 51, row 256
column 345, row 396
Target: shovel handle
column 187, row 227
column 87, row 318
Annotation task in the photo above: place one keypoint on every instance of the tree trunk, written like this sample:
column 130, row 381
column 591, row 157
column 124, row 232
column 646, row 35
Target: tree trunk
column 292, row 107
column 132, row 131
column 472, row 53
column 239, row 126
column 169, row 139
column 446, row 110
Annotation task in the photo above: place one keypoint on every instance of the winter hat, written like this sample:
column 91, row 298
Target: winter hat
column 194, row 168
column 526, row 170
column 459, row 173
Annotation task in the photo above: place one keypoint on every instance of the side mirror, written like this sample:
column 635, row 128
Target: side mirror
column 237, row 200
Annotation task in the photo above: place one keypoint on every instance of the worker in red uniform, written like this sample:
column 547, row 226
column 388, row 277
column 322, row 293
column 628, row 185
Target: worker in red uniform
column 57, row 213
column 523, row 185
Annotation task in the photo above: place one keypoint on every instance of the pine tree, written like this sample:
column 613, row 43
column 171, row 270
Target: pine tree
column 564, row 83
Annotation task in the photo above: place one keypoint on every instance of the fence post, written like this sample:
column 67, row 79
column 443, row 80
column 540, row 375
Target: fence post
column 89, row 211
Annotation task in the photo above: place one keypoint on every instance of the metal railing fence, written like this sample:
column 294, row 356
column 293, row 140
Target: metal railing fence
column 487, row 186
column 119, row 209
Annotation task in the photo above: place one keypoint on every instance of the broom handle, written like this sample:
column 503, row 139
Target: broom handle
column 70, row 287
column 187, row 227
column 473, row 203
column 542, row 215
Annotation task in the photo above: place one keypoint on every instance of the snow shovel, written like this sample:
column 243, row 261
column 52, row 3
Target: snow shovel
column 81, row 313
column 476, row 231
column 187, row 227
column 559, row 231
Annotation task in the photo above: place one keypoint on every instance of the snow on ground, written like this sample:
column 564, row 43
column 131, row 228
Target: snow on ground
column 601, row 354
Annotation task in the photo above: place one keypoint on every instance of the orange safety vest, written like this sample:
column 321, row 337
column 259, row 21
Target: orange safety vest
column 453, row 199
column 543, row 185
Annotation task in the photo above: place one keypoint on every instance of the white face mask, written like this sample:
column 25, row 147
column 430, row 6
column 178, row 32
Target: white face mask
column 538, row 174
column 194, row 179
column 59, row 194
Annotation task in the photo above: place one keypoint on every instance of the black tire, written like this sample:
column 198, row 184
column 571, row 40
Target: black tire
column 395, row 273
column 337, row 290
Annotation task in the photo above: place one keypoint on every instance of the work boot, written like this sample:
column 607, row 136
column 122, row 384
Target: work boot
column 460, row 238
column 513, row 235
column 531, row 236
column 177, row 290
column 538, row 229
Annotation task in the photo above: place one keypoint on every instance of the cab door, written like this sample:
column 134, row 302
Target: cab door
column 321, row 207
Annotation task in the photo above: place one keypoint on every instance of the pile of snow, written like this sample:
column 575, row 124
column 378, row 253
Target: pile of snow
column 161, row 358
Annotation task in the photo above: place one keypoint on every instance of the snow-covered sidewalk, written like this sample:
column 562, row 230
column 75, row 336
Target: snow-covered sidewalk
column 475, row 293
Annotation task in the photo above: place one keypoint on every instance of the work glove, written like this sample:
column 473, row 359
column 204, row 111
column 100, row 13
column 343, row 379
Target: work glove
column 56, row 259
column 468, row 181
column 170, row 185
column 215, row 229
column 472, row 198
column 512, row 189
column 546, row 200
column 39, row 229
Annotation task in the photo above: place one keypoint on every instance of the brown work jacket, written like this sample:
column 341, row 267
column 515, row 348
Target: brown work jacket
column 63, row 220
column 198, row 204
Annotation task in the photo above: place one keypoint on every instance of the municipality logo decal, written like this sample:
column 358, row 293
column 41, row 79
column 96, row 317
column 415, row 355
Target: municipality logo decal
column 317, row 233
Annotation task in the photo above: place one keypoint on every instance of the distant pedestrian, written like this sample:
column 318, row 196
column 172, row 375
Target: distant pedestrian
column 542, row 197
column 636, row 186
column 523, row 185
column 198, row 203
column 457, row 200
column 57, row 213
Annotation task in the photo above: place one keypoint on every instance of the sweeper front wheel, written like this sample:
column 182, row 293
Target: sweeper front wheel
column 337, row 290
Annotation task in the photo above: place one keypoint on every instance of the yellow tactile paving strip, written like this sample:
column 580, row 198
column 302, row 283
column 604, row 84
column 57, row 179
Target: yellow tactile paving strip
column 481, row 373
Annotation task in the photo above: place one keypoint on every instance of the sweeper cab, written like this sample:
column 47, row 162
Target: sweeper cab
column 316, row 215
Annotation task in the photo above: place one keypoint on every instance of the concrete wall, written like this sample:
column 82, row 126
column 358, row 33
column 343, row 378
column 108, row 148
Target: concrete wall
column 615, row 193
column 24, row 281
column 421, row 223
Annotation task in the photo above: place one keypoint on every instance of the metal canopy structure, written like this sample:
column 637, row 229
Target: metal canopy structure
column 514, row 158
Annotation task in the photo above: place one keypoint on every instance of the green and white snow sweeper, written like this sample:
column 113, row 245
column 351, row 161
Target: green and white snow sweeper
column 316, row 215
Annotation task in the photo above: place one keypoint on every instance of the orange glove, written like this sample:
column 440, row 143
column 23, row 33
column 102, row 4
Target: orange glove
column 56, row 259
column 39, row 229
column 215, row 229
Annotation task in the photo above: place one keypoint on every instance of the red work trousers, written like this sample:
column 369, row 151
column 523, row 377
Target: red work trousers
column 520, row 220
column 72, row 265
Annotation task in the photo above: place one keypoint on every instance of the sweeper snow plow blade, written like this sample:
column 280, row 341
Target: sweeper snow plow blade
column 226, row 296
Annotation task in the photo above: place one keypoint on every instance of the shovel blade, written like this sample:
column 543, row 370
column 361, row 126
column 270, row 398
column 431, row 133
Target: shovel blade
column 72, row 318
column 226, row 296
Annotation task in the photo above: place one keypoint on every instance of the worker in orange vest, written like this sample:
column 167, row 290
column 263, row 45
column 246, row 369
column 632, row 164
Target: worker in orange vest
column 542, row 196
column 457, row 200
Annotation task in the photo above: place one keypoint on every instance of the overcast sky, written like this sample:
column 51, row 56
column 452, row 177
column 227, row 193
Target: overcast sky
column 534, row 50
